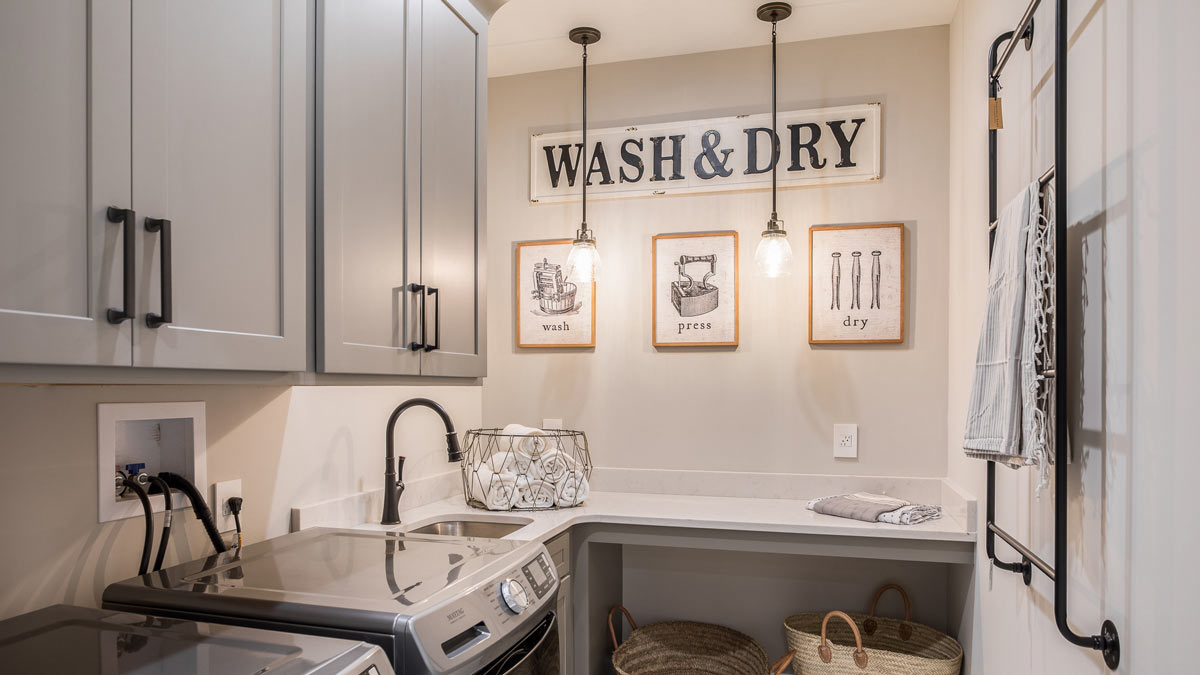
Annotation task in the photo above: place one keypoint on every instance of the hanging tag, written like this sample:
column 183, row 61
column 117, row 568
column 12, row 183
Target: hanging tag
column 995, row 114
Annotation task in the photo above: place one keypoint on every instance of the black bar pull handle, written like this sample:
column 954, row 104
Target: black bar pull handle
column 437, row 319
column 126, row 217
column 163, row 227
column 414, row 345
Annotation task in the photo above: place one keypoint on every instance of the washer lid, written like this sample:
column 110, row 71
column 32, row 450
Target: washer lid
column 65, row 639
column 339, row 578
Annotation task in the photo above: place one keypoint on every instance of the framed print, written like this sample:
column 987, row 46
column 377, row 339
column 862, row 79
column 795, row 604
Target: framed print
column 856, row 284
column 694, row 286
column 551, row 311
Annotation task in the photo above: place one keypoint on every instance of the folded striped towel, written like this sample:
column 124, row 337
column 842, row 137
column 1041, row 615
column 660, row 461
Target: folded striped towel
column 1003, row 394
column 873, row 508
column 911, row 514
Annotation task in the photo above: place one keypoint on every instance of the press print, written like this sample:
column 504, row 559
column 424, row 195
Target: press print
column 695, row 289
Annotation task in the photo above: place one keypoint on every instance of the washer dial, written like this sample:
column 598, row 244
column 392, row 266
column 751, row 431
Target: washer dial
column 514, row 595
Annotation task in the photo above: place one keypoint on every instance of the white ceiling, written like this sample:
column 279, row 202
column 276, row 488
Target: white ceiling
column 531, row 35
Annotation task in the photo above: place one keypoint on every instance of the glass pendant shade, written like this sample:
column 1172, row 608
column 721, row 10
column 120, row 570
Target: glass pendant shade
column 583, row 263
column 773, row 258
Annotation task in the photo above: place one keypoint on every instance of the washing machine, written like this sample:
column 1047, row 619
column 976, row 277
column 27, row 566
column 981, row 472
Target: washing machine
column 436, row 605
column 84, row 641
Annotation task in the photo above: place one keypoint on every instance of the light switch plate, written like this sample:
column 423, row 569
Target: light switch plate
column 221, row 492
column 552, row 424
column 845, row 441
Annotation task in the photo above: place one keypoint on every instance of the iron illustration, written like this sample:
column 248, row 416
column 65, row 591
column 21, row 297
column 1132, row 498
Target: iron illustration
column 690, row 298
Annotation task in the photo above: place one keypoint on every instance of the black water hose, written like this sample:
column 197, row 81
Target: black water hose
column 199, row 507
column 145, row 500
column 168, row 516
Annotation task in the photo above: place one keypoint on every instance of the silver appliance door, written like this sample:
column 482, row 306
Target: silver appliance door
column 534, row 654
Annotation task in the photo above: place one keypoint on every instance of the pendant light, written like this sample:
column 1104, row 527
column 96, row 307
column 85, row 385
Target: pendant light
column 773, row 257
column 584, row 261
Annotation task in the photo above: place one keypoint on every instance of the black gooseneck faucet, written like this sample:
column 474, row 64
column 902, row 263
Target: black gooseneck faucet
column 393, row 485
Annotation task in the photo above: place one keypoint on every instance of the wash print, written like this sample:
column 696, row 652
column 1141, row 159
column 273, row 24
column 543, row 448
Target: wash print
column 551, row 310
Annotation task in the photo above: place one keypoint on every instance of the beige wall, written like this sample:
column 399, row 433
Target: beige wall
column 769, row 405
column 1132, row 326
column 290, row 446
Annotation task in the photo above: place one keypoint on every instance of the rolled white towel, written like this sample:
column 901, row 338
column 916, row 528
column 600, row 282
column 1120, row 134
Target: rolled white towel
column 533, row 493
column 554, row 466
column 572, row 490
column 511, row 461
column 497, row 491
column 528, row 441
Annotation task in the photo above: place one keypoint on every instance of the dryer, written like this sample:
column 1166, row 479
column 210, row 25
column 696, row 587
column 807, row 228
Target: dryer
column 85, row 641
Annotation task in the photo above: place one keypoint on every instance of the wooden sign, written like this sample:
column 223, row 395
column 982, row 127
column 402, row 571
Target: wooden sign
column 815, row 147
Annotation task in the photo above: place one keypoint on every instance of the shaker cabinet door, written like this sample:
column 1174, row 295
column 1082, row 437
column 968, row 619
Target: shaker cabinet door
column 219, row 150
column 64, row 159
column 368, row 234
column 452, row 135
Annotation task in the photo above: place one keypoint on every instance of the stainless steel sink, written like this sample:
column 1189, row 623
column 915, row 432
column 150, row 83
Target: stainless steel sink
column 484, row 529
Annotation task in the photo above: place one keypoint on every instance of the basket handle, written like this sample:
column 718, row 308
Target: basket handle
column 778, row 666
column 905, row 630
column 826, row 654
column 612, row 632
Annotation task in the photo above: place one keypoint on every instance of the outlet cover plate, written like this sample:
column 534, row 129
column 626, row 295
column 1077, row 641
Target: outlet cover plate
column 221, row 492
column 845, row 441
column 552, row 424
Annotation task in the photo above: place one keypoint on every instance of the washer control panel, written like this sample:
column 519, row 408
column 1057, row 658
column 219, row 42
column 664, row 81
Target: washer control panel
column 521, row 589
column 540, row 575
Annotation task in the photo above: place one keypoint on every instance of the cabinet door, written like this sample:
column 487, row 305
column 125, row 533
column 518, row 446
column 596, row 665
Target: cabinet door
column 64, row 158
column 452, row 135
column 219, row 149
column 368, row 248
column 566, row 625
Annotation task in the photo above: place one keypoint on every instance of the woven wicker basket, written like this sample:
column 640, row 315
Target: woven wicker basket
column 883, row 646
column 689, row 648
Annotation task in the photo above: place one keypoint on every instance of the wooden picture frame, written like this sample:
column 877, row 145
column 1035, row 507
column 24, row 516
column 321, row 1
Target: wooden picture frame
column 546, row 301
column 869, row 257
column 677, row 299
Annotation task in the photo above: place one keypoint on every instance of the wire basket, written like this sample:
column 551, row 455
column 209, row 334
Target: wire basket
column 527, row 471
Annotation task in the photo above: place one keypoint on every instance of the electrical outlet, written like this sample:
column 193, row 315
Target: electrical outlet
column 221, row 492
column 845, row 441
column 552, row 424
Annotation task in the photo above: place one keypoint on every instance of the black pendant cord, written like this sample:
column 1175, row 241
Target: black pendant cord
column 774, row 129
column 584, row 153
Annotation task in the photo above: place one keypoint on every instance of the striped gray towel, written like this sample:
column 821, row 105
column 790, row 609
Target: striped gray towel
column 994, row 416
column 873, row 508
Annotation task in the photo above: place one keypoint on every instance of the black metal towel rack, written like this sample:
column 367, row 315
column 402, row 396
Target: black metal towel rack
column 1107, row 642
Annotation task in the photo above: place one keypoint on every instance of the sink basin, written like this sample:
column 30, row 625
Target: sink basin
column 484, row 529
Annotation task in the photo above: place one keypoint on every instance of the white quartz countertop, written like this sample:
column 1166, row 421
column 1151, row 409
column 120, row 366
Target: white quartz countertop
column 688, row 511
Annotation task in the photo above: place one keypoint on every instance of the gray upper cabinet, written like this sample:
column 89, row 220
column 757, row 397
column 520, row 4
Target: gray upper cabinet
column 453, row 130
column 194, row 113
column 401, row 124
column 368, row 243
column 64, row 159
column 219, row 149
